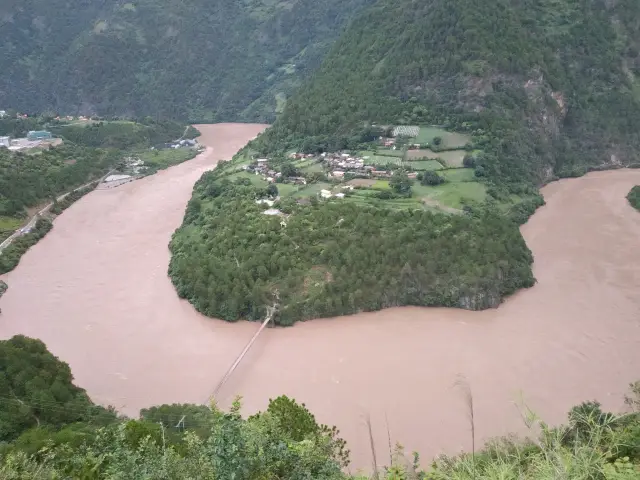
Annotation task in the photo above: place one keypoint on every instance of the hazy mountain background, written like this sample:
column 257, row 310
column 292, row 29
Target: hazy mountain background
column 205, row 60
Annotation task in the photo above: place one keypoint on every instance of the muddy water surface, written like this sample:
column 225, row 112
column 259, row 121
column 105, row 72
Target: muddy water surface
column 96, row 291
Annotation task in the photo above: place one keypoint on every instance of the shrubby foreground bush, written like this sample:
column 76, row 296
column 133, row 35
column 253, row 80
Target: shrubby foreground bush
column 57, row 433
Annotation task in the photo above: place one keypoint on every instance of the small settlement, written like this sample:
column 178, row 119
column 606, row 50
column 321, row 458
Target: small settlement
column 426, row 157
column 338, row 166
column 34, row 139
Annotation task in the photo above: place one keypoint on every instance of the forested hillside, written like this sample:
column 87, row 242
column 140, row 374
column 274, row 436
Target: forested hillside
column 198, row 60
column 545, row 87
column 50, row 429
column 329, row 259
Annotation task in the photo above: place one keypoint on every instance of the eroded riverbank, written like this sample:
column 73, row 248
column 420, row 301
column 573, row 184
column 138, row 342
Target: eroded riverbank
column 96, row 291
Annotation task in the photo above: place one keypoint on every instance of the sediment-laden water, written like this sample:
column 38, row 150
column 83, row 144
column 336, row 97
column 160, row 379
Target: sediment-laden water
column 96, row 291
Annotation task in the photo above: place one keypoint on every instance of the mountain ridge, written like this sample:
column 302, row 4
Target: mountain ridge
column 201, row 61
column 553, row 84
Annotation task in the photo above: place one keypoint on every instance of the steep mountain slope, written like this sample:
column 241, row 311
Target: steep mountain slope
column 547, row 87
column 197, row 60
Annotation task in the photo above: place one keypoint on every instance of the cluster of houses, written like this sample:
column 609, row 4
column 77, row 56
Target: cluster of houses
column 186, row 143
column 33, row 139
column 261, row 167
column 337, row 165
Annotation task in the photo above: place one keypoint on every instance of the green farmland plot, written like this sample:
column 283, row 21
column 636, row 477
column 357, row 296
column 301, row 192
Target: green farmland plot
column 449, row 139
column 424, row 165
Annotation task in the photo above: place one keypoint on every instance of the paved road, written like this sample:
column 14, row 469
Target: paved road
column 34, row 219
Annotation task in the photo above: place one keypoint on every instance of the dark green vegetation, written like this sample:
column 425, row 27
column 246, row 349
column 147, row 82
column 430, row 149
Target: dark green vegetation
column 10, row 256
column 37, row 391
column 3, row 288
column 60, row 206
column 50, row 429
column 634, row 197
column 199, row 60
column 335, row 259
column 123, row 135
column 541, row 89
column 545, row 88
column 27, row 180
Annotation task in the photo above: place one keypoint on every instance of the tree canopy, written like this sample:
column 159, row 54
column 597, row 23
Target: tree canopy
column 333, row 258
column 203, row 60
column 75, row 439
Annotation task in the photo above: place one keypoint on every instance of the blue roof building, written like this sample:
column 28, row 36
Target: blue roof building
column 39, row 135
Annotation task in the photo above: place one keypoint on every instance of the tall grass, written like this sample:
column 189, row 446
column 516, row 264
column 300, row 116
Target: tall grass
column 593, row 445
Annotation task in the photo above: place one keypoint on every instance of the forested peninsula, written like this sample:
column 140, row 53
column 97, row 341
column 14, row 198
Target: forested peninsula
column 233, row 256
column 399, row 172
column 634, row 197
column 50, row 428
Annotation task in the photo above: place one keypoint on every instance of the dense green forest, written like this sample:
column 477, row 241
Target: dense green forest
column 27, row 179
column 634, row 197
column 11, row 255
column 50, row 429
column 546, row 88
column 542, row 89
column 332, row 258
column 201, row 60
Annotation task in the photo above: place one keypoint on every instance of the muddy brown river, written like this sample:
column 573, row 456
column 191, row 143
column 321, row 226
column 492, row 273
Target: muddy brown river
column 96, row 291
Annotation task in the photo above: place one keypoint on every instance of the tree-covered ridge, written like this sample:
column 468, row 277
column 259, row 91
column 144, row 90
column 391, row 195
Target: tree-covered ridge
column 634, row 197
column 37, row 391
column 547, row 88
column 74, row 439
column 199, row 60
column 28, row 179
column 333, row 258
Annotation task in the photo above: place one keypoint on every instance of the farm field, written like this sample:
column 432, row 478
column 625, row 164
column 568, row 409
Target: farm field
column 312, row 189
column 257, row 180
column 453, row 194
column 382, row 160
column 459, row 175
column 362, row 182
column 286, row 189
column 382, row 152
column 449, row 139
column 311, row 167
column 452, row 158
column 460, row 188
column 425, row 165
column 406, row 130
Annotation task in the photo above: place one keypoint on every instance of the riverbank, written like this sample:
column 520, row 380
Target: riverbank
column 106, row 306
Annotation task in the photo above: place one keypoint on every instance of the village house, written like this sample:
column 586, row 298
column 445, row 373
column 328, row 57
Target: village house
column 272, row 212
column 39, row 135
column 380, row 174
column 297, row 180
column 325, row 193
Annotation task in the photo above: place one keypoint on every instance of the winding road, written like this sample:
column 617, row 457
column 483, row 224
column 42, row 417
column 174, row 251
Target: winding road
column 32, row 221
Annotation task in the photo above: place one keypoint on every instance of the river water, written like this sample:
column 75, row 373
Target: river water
column 96, row 291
